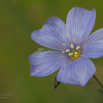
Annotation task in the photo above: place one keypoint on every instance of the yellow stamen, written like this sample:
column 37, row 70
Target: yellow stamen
column 72, row 46
column 62, row 51
column 63, row 44
column 73, row 39
column 67, row 50
column 70, row 54
column 78, row 47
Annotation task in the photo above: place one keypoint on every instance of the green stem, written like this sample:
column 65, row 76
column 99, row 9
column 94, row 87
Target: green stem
column 98, row 81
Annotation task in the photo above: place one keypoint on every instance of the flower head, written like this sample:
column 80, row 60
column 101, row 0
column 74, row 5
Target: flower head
column 72, row 47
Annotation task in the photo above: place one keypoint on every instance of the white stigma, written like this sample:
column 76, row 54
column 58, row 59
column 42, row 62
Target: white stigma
column 72, row 46
column 76, row 53
column 67, row 50
column 78, row 47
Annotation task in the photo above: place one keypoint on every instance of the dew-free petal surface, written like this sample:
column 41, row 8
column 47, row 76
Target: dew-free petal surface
column 52, row 35
column 78, row 71
column 79, row 24
column 93, row 47
column 45, row 63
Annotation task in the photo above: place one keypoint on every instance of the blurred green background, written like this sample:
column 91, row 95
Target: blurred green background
column 18, row 19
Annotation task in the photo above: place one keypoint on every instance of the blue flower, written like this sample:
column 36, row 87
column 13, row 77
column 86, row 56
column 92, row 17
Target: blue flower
column 72, row 47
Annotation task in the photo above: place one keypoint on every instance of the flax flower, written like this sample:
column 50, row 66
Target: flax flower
column 72, row 44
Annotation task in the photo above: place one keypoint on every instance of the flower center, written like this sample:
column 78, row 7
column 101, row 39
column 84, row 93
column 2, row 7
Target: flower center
column 74, row 52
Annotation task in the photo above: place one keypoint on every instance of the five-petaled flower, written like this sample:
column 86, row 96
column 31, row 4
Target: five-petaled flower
column 72, row 47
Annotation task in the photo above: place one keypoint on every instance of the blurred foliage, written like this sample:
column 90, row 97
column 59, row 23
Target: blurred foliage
column 18, row 19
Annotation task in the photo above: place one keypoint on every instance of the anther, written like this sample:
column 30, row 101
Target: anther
column 62, row 51
column 67, row 50
column 78, row 47
column 70, row 54
column 72, row 46
column 63, row 44
column 73, row 39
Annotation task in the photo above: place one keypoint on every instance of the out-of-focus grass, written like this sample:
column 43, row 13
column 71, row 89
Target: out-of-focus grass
column 18, row 19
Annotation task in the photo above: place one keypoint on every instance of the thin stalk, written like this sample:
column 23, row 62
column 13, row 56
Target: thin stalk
column 98, row 81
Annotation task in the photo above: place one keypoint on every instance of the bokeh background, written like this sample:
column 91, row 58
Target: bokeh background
column 18, row 19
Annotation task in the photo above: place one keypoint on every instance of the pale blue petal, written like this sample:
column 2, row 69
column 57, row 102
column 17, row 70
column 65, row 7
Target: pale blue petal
column 79, row 24
column 52, row 35
column 93, row 47
column 78, row 71
column 45, row 63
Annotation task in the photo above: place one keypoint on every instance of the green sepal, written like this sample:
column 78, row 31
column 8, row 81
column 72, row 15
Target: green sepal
column 40, row 49
column 56, row 83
